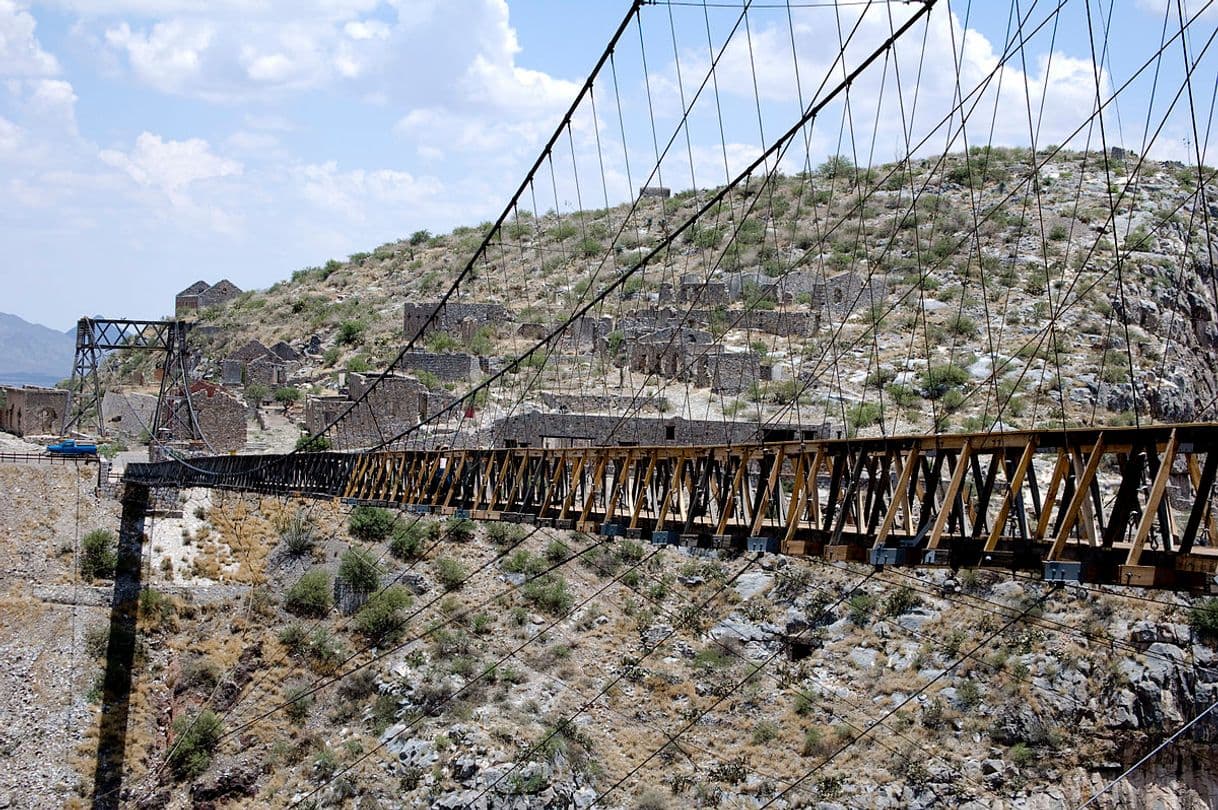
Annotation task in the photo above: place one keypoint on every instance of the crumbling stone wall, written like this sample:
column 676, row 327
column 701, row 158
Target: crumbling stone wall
column 393, row 406
column 733, row 372
column 453, row 317
column 31, row 410
column 578, row 403
column 538, row 430
column 201, row 295
column 456, row 366
column 128, row 414
column 221, row 419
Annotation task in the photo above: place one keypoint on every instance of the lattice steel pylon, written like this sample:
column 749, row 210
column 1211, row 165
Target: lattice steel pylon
column 95, row 337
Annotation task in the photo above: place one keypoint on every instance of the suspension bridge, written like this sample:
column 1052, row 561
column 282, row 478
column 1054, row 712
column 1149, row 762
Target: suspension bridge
column 1068, row 495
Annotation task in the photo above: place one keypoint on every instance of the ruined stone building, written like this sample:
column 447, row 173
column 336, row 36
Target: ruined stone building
column 201, row 295
column 254, row 363
column 128, row 414
column 458, row 319
column 221, row 416
column 694, row 289
column 32, row 410
column 394, row 405
column 691, row 356
column 586, row 430
column 449, row 366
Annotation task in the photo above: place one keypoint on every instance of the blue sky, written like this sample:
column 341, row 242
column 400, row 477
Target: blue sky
column 145, row 144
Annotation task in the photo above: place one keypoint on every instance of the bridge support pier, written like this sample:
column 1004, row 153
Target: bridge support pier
column 120, row 651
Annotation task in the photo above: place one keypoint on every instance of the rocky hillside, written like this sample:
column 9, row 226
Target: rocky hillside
column 498, row 666
column 1005, row 302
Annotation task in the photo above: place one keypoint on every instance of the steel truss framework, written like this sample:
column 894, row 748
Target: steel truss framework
column 1129, row 506
column 95, row 337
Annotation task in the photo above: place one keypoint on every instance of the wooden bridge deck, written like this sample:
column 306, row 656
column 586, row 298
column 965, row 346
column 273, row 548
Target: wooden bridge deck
column 1129, row 506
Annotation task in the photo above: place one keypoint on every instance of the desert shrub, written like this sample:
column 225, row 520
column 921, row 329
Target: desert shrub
column 902, row 600
column 351, row 332
column 764, row 732
column 550, row 593
column 522, row 562
column 450, row 573
column 380, row 620
column 938, row 380
column 298, row 536
column 370, row 523
column 324, row 651
column 408, row 541
column 359, row 571
column 195, row 744
column 1204, row 618
column 299, row 702
column 460, row 530
column 861, row 606
column 1021, row 754
column 98, row 555
column 294, row 638
column 157, row 611
column 312, row 595
column 312, row 444
column 557, row 551
column 505, row 534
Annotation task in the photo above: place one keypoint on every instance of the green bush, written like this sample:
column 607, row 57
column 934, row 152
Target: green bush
column 298, row 536
column 1204, row 618
column 861, row 606
column 550, row 593
column 938, row 380
column 351, row 332
column 312, row 595
column 522, row 562
column 299, row 703
column 195, row 744
column 505, row 534
column 288, row 394
column 450, row 573
column 98, row 555
column 460, row 530
column 900, row 601
column 312, row 444
column 370, row 523
column 294, row 639
column 380, row 620
column 157, row 610
column 408, row 541
column 359, row 571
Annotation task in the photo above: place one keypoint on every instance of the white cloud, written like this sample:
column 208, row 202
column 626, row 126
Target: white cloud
column 10, row 137
column 20, row 52
column 171, row 166
column 53, row 101
column 168, row 56
column 366, row 29
column 354, row 192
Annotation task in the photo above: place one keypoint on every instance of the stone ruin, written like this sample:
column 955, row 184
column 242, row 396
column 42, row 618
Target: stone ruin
column 395, row 405
column 580, row 430
column 128, row 414
column 254, row 363
column 32, row 410
column 449, row 367
column 221, row 416
column 201, row 295
column 455, row 318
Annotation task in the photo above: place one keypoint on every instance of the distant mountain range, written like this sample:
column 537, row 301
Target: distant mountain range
column 32, row 354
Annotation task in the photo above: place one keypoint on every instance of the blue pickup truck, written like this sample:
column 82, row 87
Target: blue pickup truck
column 71, row 447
